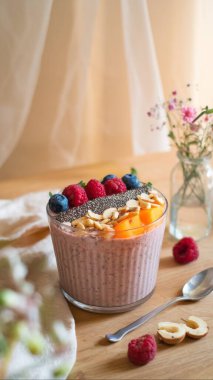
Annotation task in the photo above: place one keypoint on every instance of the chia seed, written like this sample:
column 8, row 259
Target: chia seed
column 98, row 205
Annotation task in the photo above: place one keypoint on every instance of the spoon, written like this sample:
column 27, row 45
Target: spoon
column 198, row 287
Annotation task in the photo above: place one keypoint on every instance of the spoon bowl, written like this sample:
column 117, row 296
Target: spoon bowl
column 200, row 285
column 196, row 288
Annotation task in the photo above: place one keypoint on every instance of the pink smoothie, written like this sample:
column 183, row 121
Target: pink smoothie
column 107, row 274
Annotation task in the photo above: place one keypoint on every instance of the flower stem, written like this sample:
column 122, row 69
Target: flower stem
column 206, row 111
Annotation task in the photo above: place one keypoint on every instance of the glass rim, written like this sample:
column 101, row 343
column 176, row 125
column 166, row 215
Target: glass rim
column 70, row 228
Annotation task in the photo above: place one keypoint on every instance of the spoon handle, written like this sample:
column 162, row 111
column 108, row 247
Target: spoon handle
column 118, row 335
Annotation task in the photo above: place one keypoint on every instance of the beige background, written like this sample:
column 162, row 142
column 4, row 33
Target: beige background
column 78, row 76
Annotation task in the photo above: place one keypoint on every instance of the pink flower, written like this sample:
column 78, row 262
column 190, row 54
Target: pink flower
column 171, row 107
column 188, row 114
column 171, row 104
column 174, row 92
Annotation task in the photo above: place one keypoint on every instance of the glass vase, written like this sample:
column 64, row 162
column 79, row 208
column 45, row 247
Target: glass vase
column 191, row 198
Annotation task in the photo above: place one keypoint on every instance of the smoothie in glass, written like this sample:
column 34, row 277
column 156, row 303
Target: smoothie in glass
column 112, row 268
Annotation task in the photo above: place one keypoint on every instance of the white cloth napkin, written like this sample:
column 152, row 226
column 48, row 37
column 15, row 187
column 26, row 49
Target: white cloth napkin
column 23, row 215
column 20, row 218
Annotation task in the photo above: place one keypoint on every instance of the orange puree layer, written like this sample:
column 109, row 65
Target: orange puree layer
column 136, row 225
column 150, row 215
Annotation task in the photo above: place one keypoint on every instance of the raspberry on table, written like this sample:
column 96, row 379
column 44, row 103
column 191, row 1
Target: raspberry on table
column 76, row 195
column 185, row 251
column 95, row 189
column 114, row 186
column 142, row 350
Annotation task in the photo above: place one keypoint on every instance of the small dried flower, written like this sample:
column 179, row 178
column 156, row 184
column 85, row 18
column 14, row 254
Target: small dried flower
column 171, row 106
column 188, row 113
column 194, row 127
column 193, row 139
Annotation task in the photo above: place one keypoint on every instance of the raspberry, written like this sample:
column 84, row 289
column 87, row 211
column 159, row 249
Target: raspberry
column 76, row 195
column 114, row 186
column 142, row 350
column 95, row 189
column 185, row 251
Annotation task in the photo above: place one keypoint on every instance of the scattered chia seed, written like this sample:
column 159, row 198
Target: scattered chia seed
column 98, row 205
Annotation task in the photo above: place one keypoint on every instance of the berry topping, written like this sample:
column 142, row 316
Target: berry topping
column 142, row 350
column 131, row 181
column 109, row 176
column 114, row 186
column 58, row 203
column 95, row 189
column 76, row 195
column 185, row 251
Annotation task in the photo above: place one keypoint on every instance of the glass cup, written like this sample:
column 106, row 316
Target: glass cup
column 104, row 274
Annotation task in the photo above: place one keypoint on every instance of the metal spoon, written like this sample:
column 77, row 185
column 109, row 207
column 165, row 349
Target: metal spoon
column 199, row 286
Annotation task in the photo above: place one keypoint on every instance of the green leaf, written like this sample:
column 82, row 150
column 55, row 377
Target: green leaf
column 35, row 343
column 134, row 171
column 10, row 298
column 3, row 345
column 61, row 370
column 149, row 185
column 50, row 194
column 82, row 183
column 171, row 135
column 208, row 111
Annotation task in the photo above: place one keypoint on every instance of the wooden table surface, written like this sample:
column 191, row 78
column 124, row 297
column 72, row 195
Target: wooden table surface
column 98, row 359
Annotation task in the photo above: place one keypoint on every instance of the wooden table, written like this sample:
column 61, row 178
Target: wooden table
column 98, row 359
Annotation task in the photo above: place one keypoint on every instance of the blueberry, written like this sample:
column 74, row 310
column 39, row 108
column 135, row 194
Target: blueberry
column 108, row 176
column 58, row 203
column 131, row 181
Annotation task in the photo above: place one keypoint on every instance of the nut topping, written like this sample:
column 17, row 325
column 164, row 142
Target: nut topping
column 80, row 226
column 98, row 226
column 122, row 217
column 145, row 197
column 115, row 215
column 89, row 223
column 144, row 205
column 93, row 215
column 155, row 205
column 111, row 216
column 105, row 221
column 107, row 214
column 132, row 203
column 158, row 200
